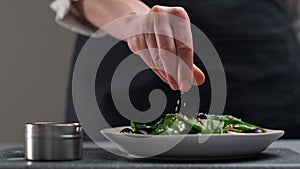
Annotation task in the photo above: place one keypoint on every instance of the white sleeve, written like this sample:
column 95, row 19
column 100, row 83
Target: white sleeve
column 68, row 17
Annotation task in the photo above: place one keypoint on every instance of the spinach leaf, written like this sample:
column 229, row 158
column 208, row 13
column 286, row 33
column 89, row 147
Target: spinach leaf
column 171, row 125
column 212, row 126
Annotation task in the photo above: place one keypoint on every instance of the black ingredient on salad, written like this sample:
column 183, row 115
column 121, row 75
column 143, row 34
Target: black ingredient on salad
column 174, row 124
column 126, row 130
column 201, row 116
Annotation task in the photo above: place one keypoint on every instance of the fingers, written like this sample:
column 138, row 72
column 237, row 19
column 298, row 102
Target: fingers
column 183, row 44
column 169, row 61
column 171, row 58
column 184, row 48
column 158, row 73
column 166, row 49
column 184, row 51
column 137, row 44
column 199, row 76
column 177, row 11
column 152, row 47
column 185, row 64
column 177, row 18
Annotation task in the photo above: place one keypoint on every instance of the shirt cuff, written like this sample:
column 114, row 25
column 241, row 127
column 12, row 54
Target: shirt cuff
column 68, row 17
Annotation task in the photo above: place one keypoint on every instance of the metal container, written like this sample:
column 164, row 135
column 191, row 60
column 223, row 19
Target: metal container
column 53, row 141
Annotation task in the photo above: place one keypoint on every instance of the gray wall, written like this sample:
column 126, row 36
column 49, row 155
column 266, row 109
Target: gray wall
column 35, row 56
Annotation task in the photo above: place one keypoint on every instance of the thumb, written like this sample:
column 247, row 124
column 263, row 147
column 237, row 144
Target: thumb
column 199, row 76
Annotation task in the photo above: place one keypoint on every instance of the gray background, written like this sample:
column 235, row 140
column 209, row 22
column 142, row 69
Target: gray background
column 35, row 57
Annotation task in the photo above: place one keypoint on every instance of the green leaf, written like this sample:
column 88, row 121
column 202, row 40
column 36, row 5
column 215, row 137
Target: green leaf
column 133, row 125
column 212, row 126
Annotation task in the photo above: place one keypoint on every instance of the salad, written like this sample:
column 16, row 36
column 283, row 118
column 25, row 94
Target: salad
column 175, row 124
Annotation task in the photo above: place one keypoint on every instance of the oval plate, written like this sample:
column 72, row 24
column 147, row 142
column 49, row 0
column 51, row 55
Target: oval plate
column 192, row 146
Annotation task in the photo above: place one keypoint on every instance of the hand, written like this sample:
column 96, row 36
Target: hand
column 171, row 59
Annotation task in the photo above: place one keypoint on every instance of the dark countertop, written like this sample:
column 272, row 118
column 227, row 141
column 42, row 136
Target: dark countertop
column 281, row 154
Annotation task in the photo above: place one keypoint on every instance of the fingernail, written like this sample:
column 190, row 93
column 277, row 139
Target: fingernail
column 185, row 85
column 173, row 86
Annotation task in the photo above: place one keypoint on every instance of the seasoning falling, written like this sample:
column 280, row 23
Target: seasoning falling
column 177, row 105
column 176, row 109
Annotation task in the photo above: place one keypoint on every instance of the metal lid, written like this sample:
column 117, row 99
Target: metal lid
column 53, row 130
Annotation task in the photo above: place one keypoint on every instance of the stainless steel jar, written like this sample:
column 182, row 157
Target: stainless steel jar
column 53, row 141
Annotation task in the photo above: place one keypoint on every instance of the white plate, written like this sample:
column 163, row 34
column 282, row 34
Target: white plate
column 192, row 146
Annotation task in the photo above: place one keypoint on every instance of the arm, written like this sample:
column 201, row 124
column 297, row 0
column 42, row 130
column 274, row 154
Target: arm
column 174, row 67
